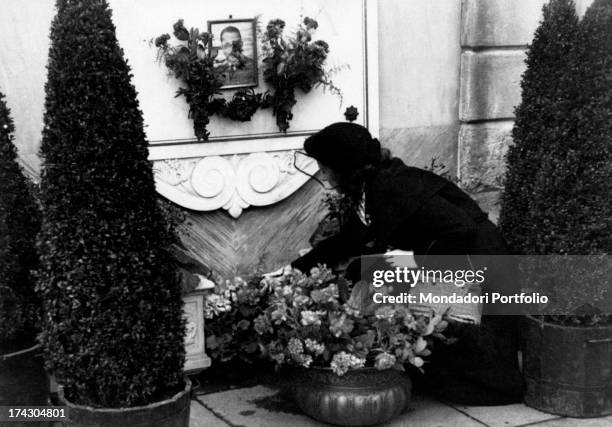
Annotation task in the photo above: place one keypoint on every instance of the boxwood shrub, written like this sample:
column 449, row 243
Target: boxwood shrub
column 556, row 199
column 113, row 327
column 19, row 223
column 540, row 122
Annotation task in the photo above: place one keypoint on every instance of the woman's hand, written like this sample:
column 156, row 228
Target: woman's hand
column 277, row 273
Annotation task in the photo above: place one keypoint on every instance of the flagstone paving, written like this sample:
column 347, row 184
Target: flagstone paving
column 264, row 406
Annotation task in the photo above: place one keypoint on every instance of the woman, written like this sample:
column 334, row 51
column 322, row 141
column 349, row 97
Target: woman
column 397, row 207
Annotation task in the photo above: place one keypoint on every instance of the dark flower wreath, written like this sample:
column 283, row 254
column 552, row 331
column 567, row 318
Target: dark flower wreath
column 192, row 63
column 242, row 106
column 293, row 63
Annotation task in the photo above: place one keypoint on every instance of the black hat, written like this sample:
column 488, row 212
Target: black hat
column 344, row 147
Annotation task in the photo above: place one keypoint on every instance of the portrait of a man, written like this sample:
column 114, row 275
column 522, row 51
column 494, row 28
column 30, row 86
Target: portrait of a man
column 235, row 51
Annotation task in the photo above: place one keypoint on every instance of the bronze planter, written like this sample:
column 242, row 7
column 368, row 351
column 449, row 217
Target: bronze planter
column 173, row 412
column 361, row 397
column 568, row 370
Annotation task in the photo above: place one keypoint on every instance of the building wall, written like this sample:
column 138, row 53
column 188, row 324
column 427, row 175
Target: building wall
column 419, row 59
column 494, row 39
column 449, row 80
column 24, row 46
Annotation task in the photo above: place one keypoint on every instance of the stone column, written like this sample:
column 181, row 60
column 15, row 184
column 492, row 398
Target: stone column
column 494, row 38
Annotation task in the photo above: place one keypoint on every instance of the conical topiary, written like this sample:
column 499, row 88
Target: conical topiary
column 537, row 117
column 19, row 223
column 557, row 196
column 572, row 208
column 113, row 331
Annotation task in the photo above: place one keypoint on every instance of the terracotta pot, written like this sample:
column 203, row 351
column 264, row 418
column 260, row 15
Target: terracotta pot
column 568, row 370
column 361, row 397
column 22, row 378
column 173, row 412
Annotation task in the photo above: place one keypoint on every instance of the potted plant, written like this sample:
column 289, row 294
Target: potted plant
column 347, row 362
column 21, row 371
column 556, row 209
column 113, row 330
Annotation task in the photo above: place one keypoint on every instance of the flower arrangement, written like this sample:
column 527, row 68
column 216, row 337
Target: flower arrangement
column 293, row 62
column 303, row 320
column 232, row 309
column 306, row 324
column 191, row 62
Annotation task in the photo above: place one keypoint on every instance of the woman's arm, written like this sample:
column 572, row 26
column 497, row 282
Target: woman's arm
column 350, row 241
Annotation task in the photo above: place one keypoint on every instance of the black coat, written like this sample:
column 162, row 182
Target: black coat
column 416, row 210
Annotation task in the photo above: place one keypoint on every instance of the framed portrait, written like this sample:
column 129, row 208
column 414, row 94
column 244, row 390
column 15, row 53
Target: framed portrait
column 234, row 50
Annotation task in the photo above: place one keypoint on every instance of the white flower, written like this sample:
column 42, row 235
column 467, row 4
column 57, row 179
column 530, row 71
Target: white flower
column 310, row 318
column 384, row 361
column 216, row 304
column 420, row 345
column 343, row 361
column 306, row 361
column 416, row 361
column 314, row 347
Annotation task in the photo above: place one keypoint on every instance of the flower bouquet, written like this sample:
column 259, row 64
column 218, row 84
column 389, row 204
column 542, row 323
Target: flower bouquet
column 293, row 62
column 191, row 63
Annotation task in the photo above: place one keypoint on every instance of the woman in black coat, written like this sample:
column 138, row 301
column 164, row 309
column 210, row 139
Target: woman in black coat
column 397, row 207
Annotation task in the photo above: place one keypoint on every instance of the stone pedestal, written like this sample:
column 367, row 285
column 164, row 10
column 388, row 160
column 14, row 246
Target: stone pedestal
column 196, row 358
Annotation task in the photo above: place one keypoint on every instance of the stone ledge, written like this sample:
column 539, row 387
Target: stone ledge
column 499, row 22
column 490, row 84
column 482, row 148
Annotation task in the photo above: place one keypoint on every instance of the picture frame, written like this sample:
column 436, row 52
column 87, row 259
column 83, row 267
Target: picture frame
column 242, row 70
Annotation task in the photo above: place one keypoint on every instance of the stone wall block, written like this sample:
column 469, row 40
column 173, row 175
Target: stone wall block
column 490, row 84
column 482, row 150
column 489, row 23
